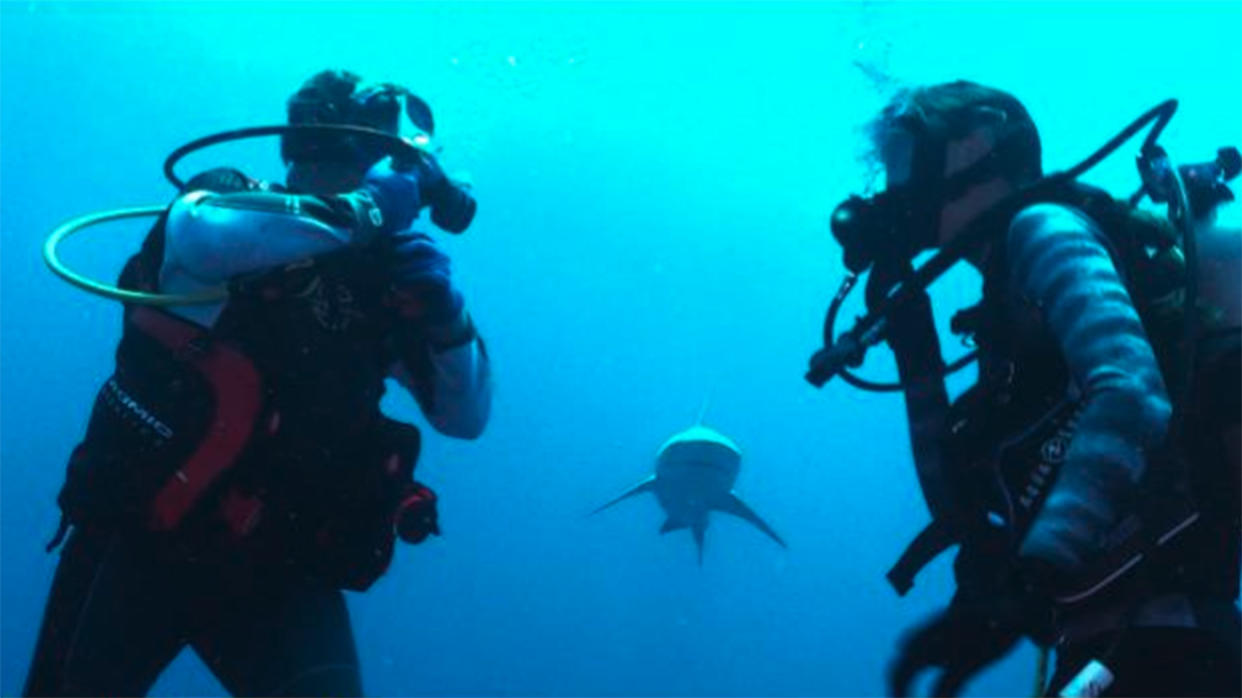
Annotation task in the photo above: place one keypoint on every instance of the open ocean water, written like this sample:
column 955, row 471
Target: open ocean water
column 655, row 181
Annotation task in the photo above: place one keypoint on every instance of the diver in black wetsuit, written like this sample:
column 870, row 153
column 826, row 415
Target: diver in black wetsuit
column 236, row 472
column 1067, row 318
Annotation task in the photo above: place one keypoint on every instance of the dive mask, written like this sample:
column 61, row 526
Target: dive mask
column 903, row 220
column 896, row 223
column 380, row 106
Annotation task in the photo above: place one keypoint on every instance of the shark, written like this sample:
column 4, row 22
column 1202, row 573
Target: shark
column 695, row 471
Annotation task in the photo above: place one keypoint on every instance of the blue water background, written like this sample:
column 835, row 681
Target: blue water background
column 655, row 182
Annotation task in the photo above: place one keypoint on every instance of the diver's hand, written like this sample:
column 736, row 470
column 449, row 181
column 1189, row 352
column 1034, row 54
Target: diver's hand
column 422, row 286
column 426, row 169
column 452, row 205
column 397, row 194
column 960, row 641
column 993, row 608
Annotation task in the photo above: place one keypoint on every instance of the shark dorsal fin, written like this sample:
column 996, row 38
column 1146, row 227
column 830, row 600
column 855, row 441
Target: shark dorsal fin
column 707, row 402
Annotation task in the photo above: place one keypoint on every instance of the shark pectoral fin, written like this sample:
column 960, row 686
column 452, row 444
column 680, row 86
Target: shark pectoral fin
column 731, row 504
column 644, row 486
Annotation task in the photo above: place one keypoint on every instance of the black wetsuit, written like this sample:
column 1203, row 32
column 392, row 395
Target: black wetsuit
column 121, row 609
column 1204, row 657
column 267, row 414
column 1176, row 629
column 1057, row 312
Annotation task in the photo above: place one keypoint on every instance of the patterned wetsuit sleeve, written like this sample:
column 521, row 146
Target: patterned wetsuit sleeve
column 1058, row 261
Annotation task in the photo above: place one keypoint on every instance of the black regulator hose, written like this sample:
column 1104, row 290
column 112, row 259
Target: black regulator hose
column 397, row 146
column 855, row 380
column 1162, row 113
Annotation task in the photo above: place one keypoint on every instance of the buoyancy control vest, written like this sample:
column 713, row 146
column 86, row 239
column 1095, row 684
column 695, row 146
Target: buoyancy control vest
column 258, row 441
column 1007, row 435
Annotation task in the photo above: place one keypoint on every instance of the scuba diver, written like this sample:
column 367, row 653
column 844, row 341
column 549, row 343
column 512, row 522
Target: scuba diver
column 1090, row 477
column 237, row 473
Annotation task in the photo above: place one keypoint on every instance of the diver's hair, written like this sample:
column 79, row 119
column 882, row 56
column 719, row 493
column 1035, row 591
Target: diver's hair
column 327, row 98
column 949, row 111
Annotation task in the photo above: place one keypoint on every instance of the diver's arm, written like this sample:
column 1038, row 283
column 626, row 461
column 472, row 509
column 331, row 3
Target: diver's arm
column 441, row 359
column 1058, row 261
column 448, row 372
column 211, row 237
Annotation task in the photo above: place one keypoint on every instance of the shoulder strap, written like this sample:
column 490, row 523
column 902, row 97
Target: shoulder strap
column 933, row 540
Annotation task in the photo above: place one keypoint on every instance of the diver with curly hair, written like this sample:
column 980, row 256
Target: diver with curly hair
column 1092, row 488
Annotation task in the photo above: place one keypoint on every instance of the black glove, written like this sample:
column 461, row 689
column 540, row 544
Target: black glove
column 421, row 277
column 423, row 291
column 960, row 641
column 452, row 206
column 396, row 193
column 994, row 607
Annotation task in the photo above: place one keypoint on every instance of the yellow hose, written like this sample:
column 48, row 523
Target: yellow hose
column 52, row 258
